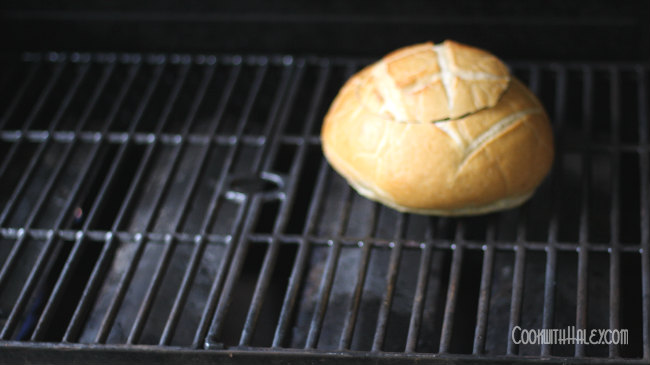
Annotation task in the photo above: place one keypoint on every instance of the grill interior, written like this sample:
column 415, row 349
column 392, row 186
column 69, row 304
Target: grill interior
column 183, row 202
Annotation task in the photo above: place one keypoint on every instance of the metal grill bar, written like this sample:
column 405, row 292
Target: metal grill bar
column 459, row 236
column 58, row 70
column 19, row 245
column 145, row 138
column 418, row 299
column 485, row 289
column 583, row 234
column 161, row 268
column 39, row 264
column 328, row 275
column 301, row 260
column 37, row 155
column 523, row 211
column 200, row 338
column 100, row 235
column 518, row 279
column 70, row 262
column 271, row 254
column 74, row 255
column 614, row 262
column 391, row 279
column 581, row 302
column 283, row 215
column 19, row 94
column 111, row 313
column 560, row 107
column 517, row 294
column 551, row 251
column 54, row 297
column 255, row 202
column 323, row 296
column 549, row 294
column 353, row 310
column 521, row 225
column 92, row 285
column 23, row 182
column 273, row 59
column 10, row 110
column 644, row 165
column 452, row 293
column 384, row 309
column 213, row 297
column 49, row 244
column 200, row 241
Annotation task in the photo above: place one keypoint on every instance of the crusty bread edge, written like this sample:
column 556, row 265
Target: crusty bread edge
column 377, row 194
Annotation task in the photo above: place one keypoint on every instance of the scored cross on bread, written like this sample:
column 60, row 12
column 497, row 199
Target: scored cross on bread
column 426, row 82
column 400, row 134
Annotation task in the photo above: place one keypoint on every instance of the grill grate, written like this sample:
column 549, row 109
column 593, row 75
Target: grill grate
column 182, row 202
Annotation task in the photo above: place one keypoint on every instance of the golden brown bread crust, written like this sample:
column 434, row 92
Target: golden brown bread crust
column 426, row 82
column 492, row 154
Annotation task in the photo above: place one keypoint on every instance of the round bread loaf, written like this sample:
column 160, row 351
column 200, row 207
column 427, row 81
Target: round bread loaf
column 441, row 130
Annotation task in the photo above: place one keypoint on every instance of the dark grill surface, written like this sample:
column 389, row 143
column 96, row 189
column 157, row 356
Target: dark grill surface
column 181, row 205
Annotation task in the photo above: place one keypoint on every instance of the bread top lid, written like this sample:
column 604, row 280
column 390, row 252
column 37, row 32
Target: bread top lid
column 427, row 82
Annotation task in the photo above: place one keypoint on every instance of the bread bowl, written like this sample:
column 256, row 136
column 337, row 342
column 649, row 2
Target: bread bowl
column 441, row 130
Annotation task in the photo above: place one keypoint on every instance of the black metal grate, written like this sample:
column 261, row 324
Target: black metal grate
column 183, row 202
